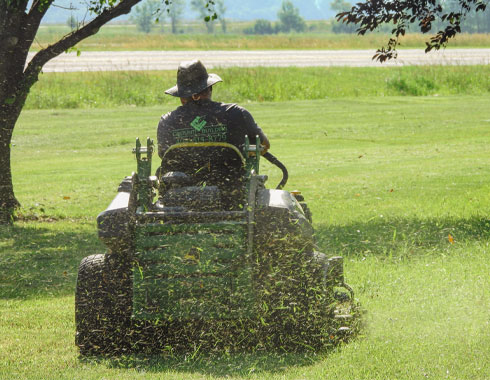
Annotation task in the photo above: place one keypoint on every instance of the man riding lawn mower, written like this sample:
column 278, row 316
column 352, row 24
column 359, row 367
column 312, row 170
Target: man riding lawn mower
column 204, row 256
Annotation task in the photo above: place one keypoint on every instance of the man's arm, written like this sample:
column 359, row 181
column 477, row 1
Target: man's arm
column 266, row 144
column 163, row 136
column 254, row 130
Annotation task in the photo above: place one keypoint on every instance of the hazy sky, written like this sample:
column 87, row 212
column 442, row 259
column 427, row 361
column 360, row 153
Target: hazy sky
column 236, row 9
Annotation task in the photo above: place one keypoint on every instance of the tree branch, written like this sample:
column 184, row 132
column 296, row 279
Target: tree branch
column 70, row 8
column 39, row 7
column 71, row 39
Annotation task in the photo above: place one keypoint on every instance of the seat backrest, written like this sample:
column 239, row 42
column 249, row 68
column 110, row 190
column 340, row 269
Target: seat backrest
column 212, row 163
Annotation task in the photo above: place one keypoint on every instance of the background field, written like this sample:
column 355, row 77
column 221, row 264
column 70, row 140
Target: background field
column 127, row 37
column 399, row 185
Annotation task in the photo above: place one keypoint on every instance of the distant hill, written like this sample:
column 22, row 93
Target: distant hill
column 236, row 9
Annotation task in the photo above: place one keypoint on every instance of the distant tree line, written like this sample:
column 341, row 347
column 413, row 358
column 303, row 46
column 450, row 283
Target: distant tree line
column 289, row 20
column 153, row 13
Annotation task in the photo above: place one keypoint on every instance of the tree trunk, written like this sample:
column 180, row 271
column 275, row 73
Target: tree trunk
column 8, row 202
column 210, row 26
column 17, row 30
column 12, row 99
column 174, row 25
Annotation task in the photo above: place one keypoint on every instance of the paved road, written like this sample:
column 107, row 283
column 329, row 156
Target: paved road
column 169, row 60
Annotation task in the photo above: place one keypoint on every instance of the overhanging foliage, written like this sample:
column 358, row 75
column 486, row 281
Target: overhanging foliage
column 425, row 15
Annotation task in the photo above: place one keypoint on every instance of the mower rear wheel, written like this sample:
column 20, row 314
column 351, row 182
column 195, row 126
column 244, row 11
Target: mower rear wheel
column 102, row 306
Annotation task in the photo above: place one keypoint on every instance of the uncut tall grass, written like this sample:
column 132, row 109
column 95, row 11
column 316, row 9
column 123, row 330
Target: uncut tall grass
column 109, row 89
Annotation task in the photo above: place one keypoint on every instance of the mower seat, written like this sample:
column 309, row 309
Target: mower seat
column 219, row 165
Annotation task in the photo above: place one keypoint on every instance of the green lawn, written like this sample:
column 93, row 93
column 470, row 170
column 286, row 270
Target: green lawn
column 400, row 186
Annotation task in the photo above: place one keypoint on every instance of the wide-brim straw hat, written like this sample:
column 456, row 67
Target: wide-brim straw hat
column 192, row 78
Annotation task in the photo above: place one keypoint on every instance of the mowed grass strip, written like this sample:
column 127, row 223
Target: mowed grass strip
column 400, row 186
column 127, row 37
column 109, row 89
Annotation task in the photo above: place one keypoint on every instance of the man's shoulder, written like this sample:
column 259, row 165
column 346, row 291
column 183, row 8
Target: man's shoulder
column 232, row 108
column 171, row 114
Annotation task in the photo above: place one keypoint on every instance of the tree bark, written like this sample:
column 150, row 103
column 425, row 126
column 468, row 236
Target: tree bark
column 18, row 28
column 8, row 202
column 17, row 32
column 12, row 100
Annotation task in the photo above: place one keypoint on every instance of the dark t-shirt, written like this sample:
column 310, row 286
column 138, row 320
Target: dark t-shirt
column 207, row 121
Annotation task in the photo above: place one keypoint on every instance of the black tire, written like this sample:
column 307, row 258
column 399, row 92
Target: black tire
column 102, row 306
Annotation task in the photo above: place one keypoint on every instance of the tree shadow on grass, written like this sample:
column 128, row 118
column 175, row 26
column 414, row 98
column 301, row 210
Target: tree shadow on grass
column 41, row 259
column 220, row 365
column 402, row 237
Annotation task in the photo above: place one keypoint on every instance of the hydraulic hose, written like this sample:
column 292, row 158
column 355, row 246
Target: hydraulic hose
column 274, row 161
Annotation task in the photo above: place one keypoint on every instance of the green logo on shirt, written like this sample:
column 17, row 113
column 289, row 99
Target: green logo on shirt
column 198, row 123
